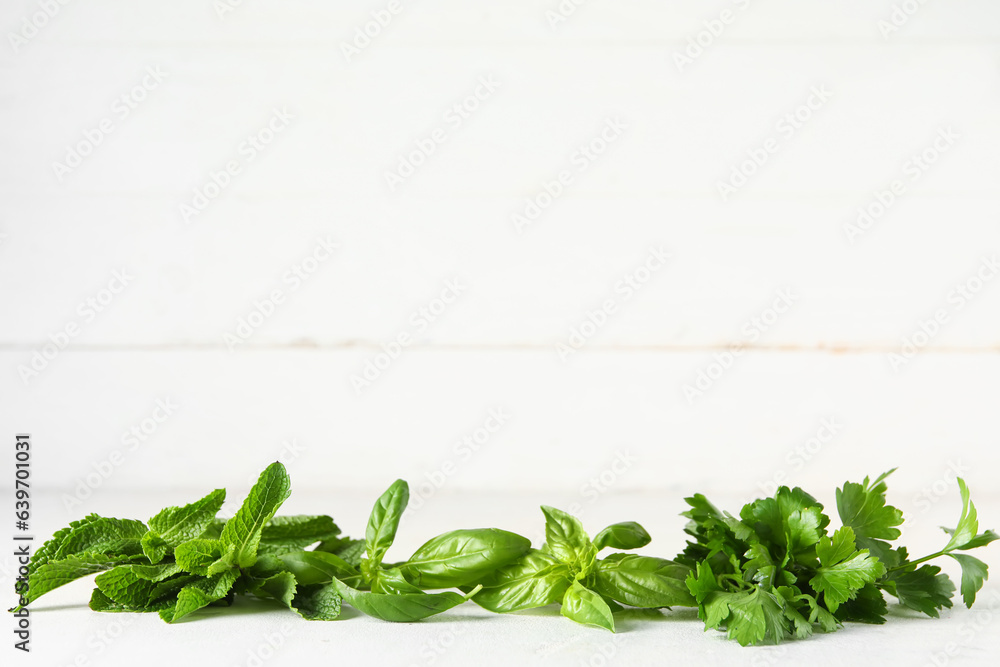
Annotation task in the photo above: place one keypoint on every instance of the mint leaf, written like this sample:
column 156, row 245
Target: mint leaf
column 317, row 603
column 56, row 573
column 204, row 557
column 173, row 525
column 280, row 587
column 135, row 585
column 287, row 533
column 102, row 535
column 199, row 594
column 48, row 551
column 843, row 570
column 243, row 531
column 974, row 573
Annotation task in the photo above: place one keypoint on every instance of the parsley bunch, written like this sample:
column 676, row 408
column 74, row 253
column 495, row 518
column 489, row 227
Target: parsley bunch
column 775, row 572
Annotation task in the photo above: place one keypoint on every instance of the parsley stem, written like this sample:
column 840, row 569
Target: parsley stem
column 918, row 561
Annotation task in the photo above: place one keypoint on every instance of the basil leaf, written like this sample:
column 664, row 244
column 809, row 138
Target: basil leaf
column 566, row 539
column 399, row 608
column 535, row 580
column 462, row 557
column 585, row 606
column 384, row 520
column 643, row 581
column 316, row 567
column 627, row 535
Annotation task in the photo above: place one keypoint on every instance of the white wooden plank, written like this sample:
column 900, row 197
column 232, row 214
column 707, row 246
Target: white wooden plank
column 567, row 423
column 193, row 284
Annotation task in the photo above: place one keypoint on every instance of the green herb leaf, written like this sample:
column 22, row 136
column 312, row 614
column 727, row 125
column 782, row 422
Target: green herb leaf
column 398, row 608
column 384, row 520
column 535, row 580
column 462, row 557
column 626, row 535
column 643, row 581
column 584, row 606
column 566, row 539
column 174, row 525
column 844, row 570
column 205, row 557
column 199, row 594
column 974, row 573
column 243, row 531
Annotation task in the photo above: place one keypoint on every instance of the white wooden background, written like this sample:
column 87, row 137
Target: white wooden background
column 287, row 391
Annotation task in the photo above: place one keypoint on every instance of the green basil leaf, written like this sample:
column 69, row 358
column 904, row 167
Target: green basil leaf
column 643, row 581
column 535, row 580
column 626, row 535
column 316, row 567
column 384, row 520
column 585, row 606
column 566, row 539
column 462, row 557
column 399, row 608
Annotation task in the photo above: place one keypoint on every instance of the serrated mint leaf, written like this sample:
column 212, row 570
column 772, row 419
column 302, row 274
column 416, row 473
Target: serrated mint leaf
column 204, row 557
column 103, row 535
column 317, row 602
column 974, row 573
column 243, row 531
column 199, row 594
column 56, row 573
column 135, row 586
column 280, row 587
column 48, row 551
column 287, row 533
column 843, row 570
column 174, row 525
column 154, row 547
